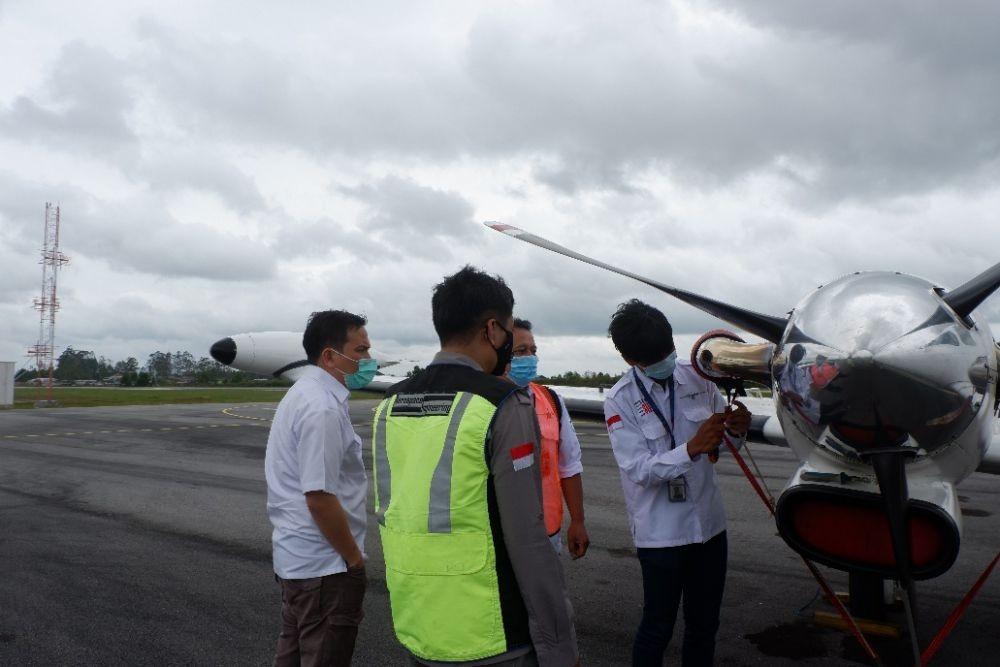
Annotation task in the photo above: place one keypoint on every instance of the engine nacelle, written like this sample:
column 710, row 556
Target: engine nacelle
column 844, row 525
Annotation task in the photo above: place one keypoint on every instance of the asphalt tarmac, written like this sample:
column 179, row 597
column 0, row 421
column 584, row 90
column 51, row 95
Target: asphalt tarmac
column 138, row 535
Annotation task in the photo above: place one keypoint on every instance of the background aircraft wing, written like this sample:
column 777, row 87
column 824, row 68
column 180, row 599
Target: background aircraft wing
column 991, row 460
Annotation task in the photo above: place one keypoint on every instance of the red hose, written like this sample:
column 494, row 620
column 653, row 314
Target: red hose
column 956, row 614
column 830, row 595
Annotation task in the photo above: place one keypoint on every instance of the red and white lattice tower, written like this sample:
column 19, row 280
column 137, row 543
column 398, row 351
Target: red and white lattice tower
column 48, row 303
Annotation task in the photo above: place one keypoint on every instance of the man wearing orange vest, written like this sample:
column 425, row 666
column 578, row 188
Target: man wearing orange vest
column 561, row 465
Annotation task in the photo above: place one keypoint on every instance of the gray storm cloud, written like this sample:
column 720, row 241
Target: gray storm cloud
column 311, row 157
column 858, row 114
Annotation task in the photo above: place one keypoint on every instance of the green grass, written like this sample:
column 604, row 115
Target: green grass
column 86, row 397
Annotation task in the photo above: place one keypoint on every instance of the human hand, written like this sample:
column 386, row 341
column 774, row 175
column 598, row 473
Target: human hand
column 737, row 420
column 708, row 437
column 355, row 560
column 577, row 539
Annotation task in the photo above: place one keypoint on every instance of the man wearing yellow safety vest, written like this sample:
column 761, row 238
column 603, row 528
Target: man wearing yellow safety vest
column 561, row 465
column 471, row 575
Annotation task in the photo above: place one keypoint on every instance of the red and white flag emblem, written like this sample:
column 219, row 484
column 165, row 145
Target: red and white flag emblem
column 614, row 423
column 523, row 456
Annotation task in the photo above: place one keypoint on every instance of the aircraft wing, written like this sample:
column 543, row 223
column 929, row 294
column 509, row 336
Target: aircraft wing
column 991, row 460
column 279, row 354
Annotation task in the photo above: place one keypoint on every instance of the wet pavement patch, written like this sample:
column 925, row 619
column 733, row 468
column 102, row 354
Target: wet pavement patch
column 797, row 641
column 892, row 652
column 621, row 552
column 972, row 511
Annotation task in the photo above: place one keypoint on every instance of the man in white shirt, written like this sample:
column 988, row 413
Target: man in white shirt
column 316, row 493
column 666, row 424
column 562, row 474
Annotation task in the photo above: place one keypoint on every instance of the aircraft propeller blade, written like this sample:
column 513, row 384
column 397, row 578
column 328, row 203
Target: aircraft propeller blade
column 767, row 327
column 964, row 298
column 890, row 470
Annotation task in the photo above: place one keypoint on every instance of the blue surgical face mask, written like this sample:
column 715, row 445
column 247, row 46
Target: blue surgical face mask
column 363, row 376
column 523, row 369
column 662, row 369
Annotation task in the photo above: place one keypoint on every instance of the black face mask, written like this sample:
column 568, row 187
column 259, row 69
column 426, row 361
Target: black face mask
column 504, row 353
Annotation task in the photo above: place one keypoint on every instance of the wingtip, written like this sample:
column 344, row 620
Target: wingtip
column 501, row 227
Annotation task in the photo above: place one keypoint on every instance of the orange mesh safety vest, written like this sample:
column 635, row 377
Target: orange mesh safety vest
column 548, row 424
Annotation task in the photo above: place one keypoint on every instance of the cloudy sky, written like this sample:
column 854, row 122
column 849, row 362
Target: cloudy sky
column 229, row 167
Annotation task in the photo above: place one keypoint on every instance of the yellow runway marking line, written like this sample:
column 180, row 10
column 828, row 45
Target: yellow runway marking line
column 121, row 430
column 226, row 411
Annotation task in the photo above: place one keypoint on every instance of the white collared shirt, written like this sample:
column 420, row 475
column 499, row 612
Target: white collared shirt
column 641, row 447
column 312, row 447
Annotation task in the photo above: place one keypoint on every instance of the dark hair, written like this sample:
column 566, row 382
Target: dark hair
column 462, row 302
column 522, row 324
column 329, row 328
column 797, row 352
column 641, row 333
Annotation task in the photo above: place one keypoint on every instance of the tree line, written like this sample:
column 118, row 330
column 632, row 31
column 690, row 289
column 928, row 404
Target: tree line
column 161, row 368
column 567, row 379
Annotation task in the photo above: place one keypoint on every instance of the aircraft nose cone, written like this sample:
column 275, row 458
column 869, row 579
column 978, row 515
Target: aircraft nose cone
column 224, row 351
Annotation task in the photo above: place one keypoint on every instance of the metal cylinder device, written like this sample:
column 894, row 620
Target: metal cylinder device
column 721, row 354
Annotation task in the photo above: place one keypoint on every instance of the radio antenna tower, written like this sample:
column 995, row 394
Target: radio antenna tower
column 48, row 303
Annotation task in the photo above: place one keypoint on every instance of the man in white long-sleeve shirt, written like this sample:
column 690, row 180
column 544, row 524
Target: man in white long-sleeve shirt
column 666, row 424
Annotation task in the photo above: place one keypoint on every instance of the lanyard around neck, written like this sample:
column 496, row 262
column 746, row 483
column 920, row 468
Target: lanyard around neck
column 656, row 408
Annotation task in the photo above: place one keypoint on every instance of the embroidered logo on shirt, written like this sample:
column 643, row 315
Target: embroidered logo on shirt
column 523, row 456
column 642, row 408
column 614, row 423
column 692, row 395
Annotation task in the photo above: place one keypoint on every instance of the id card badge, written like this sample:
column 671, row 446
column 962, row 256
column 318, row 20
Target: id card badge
column 677, row 490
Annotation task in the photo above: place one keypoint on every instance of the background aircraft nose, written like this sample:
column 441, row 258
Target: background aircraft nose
column 224, row 351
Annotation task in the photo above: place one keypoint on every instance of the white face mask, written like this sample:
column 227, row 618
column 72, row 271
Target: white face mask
column 663, row 368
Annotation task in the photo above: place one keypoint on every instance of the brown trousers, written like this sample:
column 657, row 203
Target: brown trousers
column 319, row 619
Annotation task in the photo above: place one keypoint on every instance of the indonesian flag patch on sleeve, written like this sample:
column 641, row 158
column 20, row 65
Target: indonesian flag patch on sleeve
column 614, row 423
column 523, row 456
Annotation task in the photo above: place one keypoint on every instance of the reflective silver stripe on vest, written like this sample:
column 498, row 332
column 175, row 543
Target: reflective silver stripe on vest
column 382, row 473
column 439, row 513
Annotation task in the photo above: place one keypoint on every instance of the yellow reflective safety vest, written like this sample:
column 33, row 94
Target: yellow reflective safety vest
column 451, row 586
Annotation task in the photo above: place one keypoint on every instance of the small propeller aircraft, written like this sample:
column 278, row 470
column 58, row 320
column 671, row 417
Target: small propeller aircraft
column 884, row 387
column 876, row 372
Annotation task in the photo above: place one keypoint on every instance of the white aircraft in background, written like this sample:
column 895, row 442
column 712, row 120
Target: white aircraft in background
column 883, row 386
